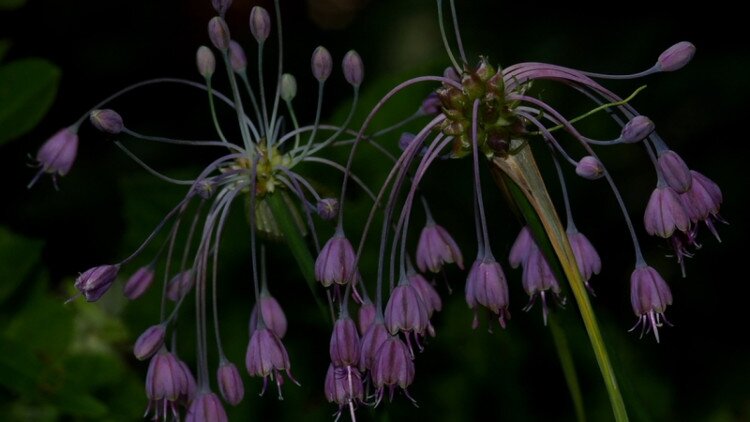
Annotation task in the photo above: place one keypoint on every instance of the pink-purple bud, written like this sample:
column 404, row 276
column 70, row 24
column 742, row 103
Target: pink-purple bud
column 374, row 337
column 436, row 247
column 650, row 296
column 93, row 283
column 405, row 139
column 205, row 61
column 344, row 345
column 139, row 282
column 58, row 153
column 637, row 129
column 288, row 87
column 335, row 264
column 107, row 120
column 366, row 316
column 218, row 32
column 354, row 69
column 486, row 285
column 206, row 408
column 237, row 57
column 328, row 208
column 665, row 213
column 589, row 168
column 321, row 63
column 406, row 311
column 676, row 57
column 451, row 74
column 230, row 383
column 431, row 105
column 221, row 6
column 188, row 395
column 180, row 285
column 674, row 170
column 149, row 342
column 260, row 24
column 343, row 386
column 273, row 315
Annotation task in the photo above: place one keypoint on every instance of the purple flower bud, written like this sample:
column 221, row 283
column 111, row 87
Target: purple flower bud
column 107, row 121
column 405, row 310
column 451, row 74
column 322, row 64
column 665, row 213
column 431, row 105
column 218, row 32
column 344, row 345
column 343, row 385
column 366, row 316
column 149, row 342
column 537, row 280
column 57, row 154
column 524, row 243
column 139, row 282
column 230, row 383
column 267, row 357
column 405, row 140
column 676, row 57
column 166, row 378
column 221, row 6
column 237, row 57
column 393, row 365
column 427, row 293
column 587, row 258
column 288, row 87
column 206, row 408
column 373, row 338
column 273, row 315
column 703, row 199
column 180, row 285
column 637, row 129
column 260, row 24
column 486, row 286
column 437, row 247
column 650, row 296
column 93, row 283
column 335, row 264
column 675, row 171
column 188, row 395
column 205, row 61
column 589, row 168
column 328, row 208
column 354, row 70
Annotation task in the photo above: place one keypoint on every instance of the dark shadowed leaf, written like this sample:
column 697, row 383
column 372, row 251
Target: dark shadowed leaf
column 4, row 47
column 11, row 4
column 17, row 257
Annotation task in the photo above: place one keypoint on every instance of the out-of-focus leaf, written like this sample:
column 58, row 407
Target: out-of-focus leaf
column 27, row 89
column 95, row 330
column 79, row 404
column 11, row 4
column 19, row 367
column 20, row 411
column 4, row 46
column 93, row 370
column 44, row 325
column 17, row 257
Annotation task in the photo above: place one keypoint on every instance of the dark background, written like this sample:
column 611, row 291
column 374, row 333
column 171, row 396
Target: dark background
column 106, row 205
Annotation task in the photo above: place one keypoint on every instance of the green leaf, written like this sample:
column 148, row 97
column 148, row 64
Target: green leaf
column 4, row 47
column 27, row 89
column 19, row 367
column 18, row 256
column 11, row 4
column 45, row 325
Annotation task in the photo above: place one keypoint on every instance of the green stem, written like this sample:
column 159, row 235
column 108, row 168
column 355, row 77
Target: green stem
column 527, row 186
column 568, row 367
column 297, row 245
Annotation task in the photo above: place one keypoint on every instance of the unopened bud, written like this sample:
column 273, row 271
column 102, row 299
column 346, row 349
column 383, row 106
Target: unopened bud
column 676, row 57
column 322, row 63
column 328, row 208
column 260, row 24
column 590, row 168
column 206, row 61
column 221, row 6
column 149, row 342
column 638, row 128
column 218, row 32
column 354, row 70
column 107, row 121
column 288, row 87
column 139, row 282
column 237, row 57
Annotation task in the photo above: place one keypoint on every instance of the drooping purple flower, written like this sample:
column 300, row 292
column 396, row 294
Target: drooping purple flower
column 393, row 366
column 674, row 170
column 107, row 120
column 206, row 408
column 94, row 282
column 366, row 316
column 343, row 386
column 57, row 155
column 665, row 213
column 335, row 264
column 373, row 338
column 587, row 258
column 437, row 247
column 180, row 285
column 702, row 201
column 486, row 285
column 344, row 344
column 230, row 383
column 538, row 280
column 266, row 357
column 166, row 382
column 139, row 282
column 650, row 296
column 427, row 293
column 523, row 244
column 273, row 315
column 188, row 395
column 405, row 310
column 149, row 342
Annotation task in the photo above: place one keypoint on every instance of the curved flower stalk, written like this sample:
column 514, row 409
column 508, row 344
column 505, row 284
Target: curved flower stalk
column 492, row 115
column 262, row 166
